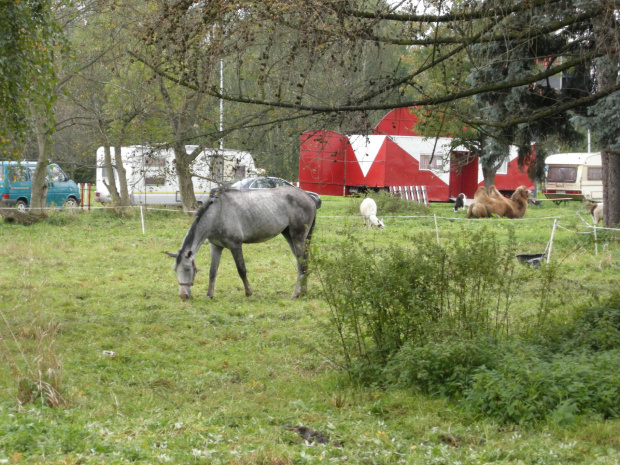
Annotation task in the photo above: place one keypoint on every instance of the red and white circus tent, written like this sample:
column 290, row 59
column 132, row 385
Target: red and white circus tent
column 395, row 155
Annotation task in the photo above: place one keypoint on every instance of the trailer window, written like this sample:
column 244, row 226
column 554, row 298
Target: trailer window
column 427, row 164
column 151, row 180
column 155, row 161
column 595, row 173
column 562, row 174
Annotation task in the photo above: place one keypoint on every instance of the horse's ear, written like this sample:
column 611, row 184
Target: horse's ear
column 170, row 254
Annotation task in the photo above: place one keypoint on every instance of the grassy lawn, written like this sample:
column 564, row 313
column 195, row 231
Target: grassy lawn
column 148, row 378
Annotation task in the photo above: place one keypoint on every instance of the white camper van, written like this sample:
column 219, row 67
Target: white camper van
column 152, row 177
column 578, row 176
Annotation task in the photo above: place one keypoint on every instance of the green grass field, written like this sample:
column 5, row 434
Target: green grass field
column 147, row 378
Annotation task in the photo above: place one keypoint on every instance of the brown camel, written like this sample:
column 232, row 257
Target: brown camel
column 518, row 201
column 485, row 205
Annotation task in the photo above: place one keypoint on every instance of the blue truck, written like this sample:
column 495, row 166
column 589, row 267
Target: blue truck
column 16, row 185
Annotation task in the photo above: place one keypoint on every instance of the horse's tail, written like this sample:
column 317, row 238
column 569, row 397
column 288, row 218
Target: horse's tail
column 311, row 229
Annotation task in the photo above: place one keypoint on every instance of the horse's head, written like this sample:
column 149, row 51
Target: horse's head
column 186, row 270
column 380, row 224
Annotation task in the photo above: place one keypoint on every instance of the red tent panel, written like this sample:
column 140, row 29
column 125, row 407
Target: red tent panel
column 398, row 122
column 374, row 177
column 322, row 162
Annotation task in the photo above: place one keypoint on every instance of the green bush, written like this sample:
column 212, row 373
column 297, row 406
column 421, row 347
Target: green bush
column 597, row 326
column 436, row 319
column 384, row 299
column 593, row 326
column 525, row 387
column 441, row 368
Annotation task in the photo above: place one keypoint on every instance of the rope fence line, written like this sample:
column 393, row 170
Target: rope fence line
column 430, row 217
column 103, row 207
column 575, row 232
column 449, row 218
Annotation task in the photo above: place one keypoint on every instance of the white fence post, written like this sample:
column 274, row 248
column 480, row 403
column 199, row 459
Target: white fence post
column 555, row 222
column 142, row 218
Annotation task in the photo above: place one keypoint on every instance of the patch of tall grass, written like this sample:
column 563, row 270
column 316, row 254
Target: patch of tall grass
column 441, row 319
column 36, row 371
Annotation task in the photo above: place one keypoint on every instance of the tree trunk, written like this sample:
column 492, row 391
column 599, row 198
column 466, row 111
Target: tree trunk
column 122, row 176
column 186, row 185
column 488, row 173
column 38, row 193
column 109, row 169
column 607, row 76
column 182, row 118
column 611, row 190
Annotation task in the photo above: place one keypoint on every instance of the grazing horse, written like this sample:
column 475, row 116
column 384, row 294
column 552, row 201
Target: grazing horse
column 233, row 217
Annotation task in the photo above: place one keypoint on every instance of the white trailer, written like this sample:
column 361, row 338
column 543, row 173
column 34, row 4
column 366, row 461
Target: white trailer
column 152, row 178
column 578, row 176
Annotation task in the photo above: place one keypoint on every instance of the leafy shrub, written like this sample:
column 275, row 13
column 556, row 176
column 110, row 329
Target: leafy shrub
column 435, row 318
column 383, row 300
column 597, row 326
column 593, row 326
column 525, row 387
column 441, row 368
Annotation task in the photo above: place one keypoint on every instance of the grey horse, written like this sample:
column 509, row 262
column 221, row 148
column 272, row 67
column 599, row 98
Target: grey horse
column 231, row 218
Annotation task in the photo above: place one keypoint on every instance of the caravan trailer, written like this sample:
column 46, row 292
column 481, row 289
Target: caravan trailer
column 395, row 157
column 152, row 177
column 576, row 176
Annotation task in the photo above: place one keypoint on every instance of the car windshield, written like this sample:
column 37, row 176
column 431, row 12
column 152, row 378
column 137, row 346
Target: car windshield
column 57, row 174
column 262, row 183
column 281, row 182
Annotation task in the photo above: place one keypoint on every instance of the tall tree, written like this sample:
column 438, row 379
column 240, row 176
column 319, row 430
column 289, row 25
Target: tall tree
column 549, row 37
column 28, row 37
column 603, row 116
column 31, row 50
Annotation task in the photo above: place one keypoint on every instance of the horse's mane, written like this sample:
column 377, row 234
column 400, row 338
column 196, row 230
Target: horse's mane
column 191, row 233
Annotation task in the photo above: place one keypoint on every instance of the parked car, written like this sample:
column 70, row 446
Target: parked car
column 267, row 182
column 16, row 185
